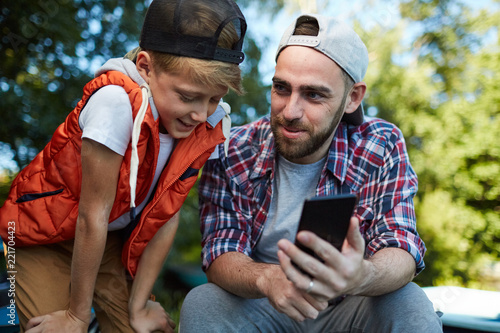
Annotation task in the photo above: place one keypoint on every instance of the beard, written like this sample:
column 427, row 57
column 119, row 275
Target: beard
column 293, row 149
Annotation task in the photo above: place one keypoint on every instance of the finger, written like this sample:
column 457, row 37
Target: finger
column 35, row 321
column 354, row 239
column 319, row 305
column 306, row 309
column 324, row 250
column 298, row 257
column 295, row 315
column 171, row 323
column 327, row 280
column 166, row 325
column 299, row 280
column 318, row 295
column 35, row 329
column 292, row 311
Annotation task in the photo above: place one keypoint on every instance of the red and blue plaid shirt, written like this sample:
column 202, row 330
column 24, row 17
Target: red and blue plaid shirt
column 369, row 160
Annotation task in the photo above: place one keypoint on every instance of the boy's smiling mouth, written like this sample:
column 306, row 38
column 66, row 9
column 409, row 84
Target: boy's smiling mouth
column 185, row 125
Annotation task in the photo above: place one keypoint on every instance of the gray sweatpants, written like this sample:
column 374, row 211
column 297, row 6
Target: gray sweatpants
column 209, row 308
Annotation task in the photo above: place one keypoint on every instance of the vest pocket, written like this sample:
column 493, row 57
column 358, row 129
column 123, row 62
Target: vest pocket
column 190, row 172
column 34, row 196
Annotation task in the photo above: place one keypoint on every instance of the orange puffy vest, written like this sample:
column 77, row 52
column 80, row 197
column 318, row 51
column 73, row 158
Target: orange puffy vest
column 43, row 199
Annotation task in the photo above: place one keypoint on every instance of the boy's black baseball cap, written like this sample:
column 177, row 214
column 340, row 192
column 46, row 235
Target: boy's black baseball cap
column 162, row 29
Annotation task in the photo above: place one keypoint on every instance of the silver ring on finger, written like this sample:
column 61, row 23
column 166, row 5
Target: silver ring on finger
column 311, row 285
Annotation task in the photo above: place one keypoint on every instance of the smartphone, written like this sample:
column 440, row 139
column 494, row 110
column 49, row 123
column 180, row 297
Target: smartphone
column 328, row 217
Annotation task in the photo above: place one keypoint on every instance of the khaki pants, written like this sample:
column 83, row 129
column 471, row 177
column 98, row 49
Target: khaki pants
column 43, row 283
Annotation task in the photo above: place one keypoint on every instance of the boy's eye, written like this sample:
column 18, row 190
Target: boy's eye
column 185, row 98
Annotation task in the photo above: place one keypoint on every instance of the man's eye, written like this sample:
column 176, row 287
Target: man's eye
column 313, row 95
column 279, row 87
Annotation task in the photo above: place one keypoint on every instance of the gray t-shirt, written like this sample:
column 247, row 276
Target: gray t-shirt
column 293, row 183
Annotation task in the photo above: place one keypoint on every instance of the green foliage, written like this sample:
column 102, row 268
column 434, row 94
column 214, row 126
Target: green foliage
column 47, row 50
column 446, row 102
column 254, row 102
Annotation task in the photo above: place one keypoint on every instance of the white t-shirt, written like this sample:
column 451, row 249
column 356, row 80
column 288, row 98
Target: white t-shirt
column 107, row 119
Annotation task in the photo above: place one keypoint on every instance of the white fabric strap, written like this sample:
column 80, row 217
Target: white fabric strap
column 226, row 125
column 136, row 132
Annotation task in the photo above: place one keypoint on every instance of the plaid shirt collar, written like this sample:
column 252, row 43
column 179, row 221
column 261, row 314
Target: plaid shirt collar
column 338, row 155
column 337, row 163
column 264, row 163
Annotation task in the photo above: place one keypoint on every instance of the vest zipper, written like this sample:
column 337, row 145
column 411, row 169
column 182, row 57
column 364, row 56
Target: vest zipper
column 151, row 205
column 177, row 178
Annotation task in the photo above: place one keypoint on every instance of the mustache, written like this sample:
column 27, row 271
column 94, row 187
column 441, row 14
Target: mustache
column 295, row 123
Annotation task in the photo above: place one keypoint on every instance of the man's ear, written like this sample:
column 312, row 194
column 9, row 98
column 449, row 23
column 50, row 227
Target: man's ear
column 356, row 96
column 144, row 65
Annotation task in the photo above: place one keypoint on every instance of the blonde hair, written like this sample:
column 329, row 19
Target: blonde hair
column 208, row 72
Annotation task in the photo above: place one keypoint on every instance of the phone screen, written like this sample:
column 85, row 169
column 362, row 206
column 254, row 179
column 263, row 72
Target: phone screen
column 328, row 217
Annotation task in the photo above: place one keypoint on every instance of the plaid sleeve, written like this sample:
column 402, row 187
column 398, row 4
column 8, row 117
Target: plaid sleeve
column 390, row 219
column 224, row 225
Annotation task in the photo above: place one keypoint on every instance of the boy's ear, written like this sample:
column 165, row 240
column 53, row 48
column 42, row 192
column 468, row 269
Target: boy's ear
column 144, row 65
column 356, row 96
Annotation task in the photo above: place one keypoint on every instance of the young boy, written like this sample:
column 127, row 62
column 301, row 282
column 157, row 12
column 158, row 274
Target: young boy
column 106, row 191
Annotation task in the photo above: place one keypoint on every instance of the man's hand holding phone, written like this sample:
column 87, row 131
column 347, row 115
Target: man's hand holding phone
column 327, row 217
column 330, row 272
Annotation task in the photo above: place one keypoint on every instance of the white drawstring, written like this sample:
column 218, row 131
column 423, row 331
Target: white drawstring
column 226, row 125
column 136, row 131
